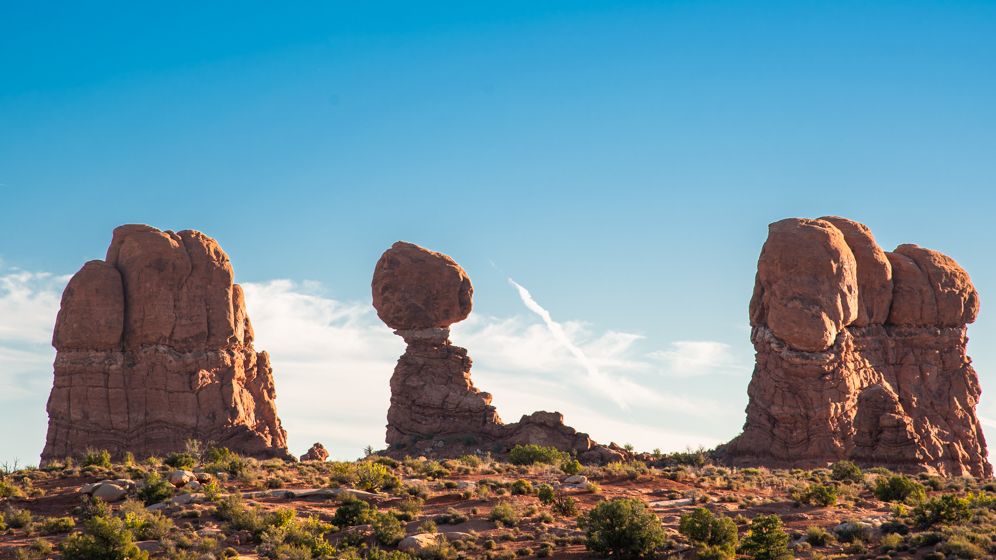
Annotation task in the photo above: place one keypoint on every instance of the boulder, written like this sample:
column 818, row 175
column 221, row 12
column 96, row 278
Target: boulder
column 874, row 272
column 954, row 294
column 316, row 453
column 110, row 492
column 153, row 349
column 899, row 395
column 415, row 543
column 913, row 302
column 576, row 479
column 180, row 478
column 806, row 286
column 414, row 288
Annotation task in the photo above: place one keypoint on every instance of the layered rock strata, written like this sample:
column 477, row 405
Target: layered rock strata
column 420, row 293
column 860, row 355
column 155, row 348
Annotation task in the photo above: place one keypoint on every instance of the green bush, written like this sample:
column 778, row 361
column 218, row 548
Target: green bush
column 715, row 538
column 106, row 538
column 17, row 518
column 387, row 529
column 9, row 491
column 765, row 540
column 520, row 487
column 623, row 528
column 946, row 509
column 94, row 458
column 546, row 494
column 960, row 547
column 181, row 461
column 846, row 471
column 218, row 455
column 91, row 507
column 898, row 488
column 504, row 514
column 571, row 467
column 816, row 536
column 820, row 495
column 53, row 525
column 156, row 490
column 373, row 477
column 352, row 511
column 532, row 454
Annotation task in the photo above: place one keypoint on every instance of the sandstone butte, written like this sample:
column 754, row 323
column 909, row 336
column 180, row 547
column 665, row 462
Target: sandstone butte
column 154, row 347
column 420, row 293
column 860, row 355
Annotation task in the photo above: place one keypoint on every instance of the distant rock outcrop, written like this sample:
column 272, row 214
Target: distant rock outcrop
column 155, row 348
column 420, row 294
column 860, row 355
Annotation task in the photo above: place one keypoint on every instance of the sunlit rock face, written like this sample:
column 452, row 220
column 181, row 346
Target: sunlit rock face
column 860, row 355
column 155, row 348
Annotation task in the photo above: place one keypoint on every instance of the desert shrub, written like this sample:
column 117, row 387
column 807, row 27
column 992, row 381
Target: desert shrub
column 816, row 536
column 53, row 525
column 352, row 511
column 898, row 488
column 890, row 542
column 854, row 532
column 846, row 471
column 961, row 547
column 440, row 550
column 946, row 509
column 697, row 457
column 818, row 495
column 470, row 460
column 411, row 506
column 156, row 490
column 564, row 505
column 715, row 538
column 9, row 490
column 373, row 477
column 387, row 529
column 571, row 467
column 521, row 487
column 532, row 454
column 17, row 518
column 546, row 494
column 96, row 458
column 181, row 461
column 622, row 528
column 593, row 487
column 91, row 507
column 765, row 540
column 275, row 483
column 890, row 527
column 504, row 514
column 106, row 538
column 148, row 526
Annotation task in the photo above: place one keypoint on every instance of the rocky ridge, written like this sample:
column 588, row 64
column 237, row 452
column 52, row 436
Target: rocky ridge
column 155, row 348
column 860, row 355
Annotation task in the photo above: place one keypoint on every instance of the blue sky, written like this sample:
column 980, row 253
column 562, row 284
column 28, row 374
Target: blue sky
column 621, row 161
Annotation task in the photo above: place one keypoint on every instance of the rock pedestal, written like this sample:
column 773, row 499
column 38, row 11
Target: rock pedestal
column 155, row 348
column 420, row 294
column 860, row 356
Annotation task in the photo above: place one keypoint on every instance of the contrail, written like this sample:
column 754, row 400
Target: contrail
column 595, row 377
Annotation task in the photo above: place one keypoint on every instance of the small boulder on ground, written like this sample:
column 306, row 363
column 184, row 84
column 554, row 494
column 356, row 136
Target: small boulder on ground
column 414, row 543
column 180, row 478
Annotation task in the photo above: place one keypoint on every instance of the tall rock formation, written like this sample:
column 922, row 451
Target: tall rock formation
column 420, row 293
column 155, row 348
column 860, row 355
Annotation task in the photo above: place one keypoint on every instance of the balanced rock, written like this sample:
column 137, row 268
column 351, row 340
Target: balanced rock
column 155, row 348
column 858, row 374
column 414, row 288
column 421, row 293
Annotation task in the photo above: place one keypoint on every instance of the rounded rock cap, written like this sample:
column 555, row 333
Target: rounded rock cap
column 415, row 288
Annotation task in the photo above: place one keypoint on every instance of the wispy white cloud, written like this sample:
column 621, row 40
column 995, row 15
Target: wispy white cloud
column 688, row 357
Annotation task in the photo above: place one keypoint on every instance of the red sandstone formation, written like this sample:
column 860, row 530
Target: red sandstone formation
column 155, row 348
column 860, row 355
column 421, row 293
column 316, row 453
